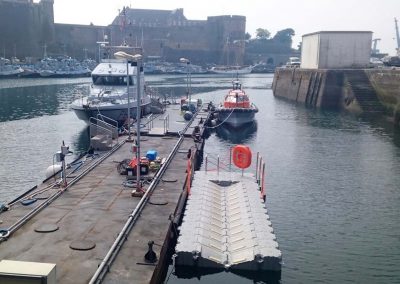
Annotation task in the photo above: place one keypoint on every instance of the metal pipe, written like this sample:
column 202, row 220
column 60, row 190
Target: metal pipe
column 218, row 165
column 230, row 159
column 111, row 254
column 263, row 183
column 53, row 197
column 138, row 111
column 258, row 154
column 259, row 170
column 127, row 93
column 190, row 85
column 187, row 82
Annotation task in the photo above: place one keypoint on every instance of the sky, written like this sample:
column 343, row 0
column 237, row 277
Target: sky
column 303, row 16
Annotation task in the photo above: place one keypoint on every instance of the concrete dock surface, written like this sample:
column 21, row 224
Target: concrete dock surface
column 82, row 223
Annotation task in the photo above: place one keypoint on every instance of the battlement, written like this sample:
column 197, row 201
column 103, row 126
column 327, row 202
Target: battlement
column 164, row 33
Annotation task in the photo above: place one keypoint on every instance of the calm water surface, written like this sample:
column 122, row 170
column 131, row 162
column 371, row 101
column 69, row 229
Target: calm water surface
column 333, row 183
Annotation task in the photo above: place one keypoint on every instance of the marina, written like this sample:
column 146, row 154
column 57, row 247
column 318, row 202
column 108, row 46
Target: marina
column 298, row 141
column 61, row 203
column 154, row 143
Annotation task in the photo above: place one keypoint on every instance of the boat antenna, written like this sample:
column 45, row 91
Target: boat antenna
column 141, row 44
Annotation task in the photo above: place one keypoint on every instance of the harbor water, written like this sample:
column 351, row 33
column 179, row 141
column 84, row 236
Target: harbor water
column 333, row 183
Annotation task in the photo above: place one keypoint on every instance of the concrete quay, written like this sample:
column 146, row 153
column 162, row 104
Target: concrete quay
column 75, row 227
column 372, row 91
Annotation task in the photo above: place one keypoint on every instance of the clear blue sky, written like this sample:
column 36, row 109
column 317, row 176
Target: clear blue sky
column 304, row 16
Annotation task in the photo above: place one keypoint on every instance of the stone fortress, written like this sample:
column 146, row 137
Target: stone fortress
column 27, row 29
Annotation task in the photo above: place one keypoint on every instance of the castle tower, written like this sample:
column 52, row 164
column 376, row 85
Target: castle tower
column 25, row 26
column 46, row 21
column 227, row 35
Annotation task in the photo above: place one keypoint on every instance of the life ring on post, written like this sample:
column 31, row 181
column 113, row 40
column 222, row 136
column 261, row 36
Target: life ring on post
column 241, row 155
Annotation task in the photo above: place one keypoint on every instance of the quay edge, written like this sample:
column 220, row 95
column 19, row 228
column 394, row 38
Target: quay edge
column 355, row 90
column 94, row 210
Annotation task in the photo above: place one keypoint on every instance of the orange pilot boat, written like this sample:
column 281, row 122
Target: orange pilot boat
column 236, row 110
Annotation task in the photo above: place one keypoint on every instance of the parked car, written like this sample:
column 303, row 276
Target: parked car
column 293, row 62
column 391, row 61
column 375, row 62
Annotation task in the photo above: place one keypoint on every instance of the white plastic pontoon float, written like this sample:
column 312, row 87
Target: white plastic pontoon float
column 226, row 225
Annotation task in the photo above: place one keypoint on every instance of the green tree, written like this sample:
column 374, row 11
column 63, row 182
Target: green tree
column 247, row 36
column 284, row 36
column 262, row 33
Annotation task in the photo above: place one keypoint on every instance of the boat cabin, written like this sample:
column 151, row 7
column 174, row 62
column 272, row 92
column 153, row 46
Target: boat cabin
column 236, row 98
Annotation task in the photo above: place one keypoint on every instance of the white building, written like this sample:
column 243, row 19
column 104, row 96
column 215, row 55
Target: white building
column 336, row 49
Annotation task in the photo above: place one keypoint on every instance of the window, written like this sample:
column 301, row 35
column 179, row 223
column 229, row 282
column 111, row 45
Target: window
column 111, row 80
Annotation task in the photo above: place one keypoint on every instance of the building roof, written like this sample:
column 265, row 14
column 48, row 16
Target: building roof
column 130, row 16
column 336, row 32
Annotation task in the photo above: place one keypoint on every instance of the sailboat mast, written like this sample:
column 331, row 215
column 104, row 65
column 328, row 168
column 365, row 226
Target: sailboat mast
column 227, row 51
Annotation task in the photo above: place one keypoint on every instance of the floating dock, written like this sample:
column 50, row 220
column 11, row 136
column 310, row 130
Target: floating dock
column 93, row 229
column 226, row 226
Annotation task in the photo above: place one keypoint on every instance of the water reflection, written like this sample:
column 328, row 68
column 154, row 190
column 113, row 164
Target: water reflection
column 81, row 141
column 237, row 135
column 34, row 101
column 382, row 126
column 236, row 276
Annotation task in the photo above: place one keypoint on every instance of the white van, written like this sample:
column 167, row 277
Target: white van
column 293, row 62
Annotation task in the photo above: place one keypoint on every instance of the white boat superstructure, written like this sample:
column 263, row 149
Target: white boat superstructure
column 108, row 93
column 8, row 70
column 231, row 69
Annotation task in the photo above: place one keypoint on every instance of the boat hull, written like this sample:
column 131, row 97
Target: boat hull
column 119, row 114
column 236, row 117
column 231, row 71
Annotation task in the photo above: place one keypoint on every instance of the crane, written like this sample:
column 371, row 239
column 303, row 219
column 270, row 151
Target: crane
column 375, row 42
column 397, row 36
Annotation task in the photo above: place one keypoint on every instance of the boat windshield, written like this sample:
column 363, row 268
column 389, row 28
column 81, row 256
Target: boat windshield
column 237, row 98
column 237, row 86
column 111, row 80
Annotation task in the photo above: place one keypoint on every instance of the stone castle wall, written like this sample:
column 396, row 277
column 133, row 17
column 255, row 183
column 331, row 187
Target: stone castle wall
column 78, row 41
column 26, row 27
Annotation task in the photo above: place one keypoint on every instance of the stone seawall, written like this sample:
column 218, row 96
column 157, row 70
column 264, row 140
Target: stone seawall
column 316, row 88
column 357, row 90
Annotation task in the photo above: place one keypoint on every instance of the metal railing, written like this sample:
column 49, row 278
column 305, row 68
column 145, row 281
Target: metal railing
column 166, row 123
column 219, row 165
column 101, row 129
column 110, row 123
column 150, row 121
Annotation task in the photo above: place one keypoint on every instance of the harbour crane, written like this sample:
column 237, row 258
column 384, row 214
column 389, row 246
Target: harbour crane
column 375, row 42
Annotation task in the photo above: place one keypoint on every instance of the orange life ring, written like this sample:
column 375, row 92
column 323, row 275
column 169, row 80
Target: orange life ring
column 241, row 156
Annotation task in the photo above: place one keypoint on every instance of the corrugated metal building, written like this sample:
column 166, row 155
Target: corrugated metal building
column 336, row 49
